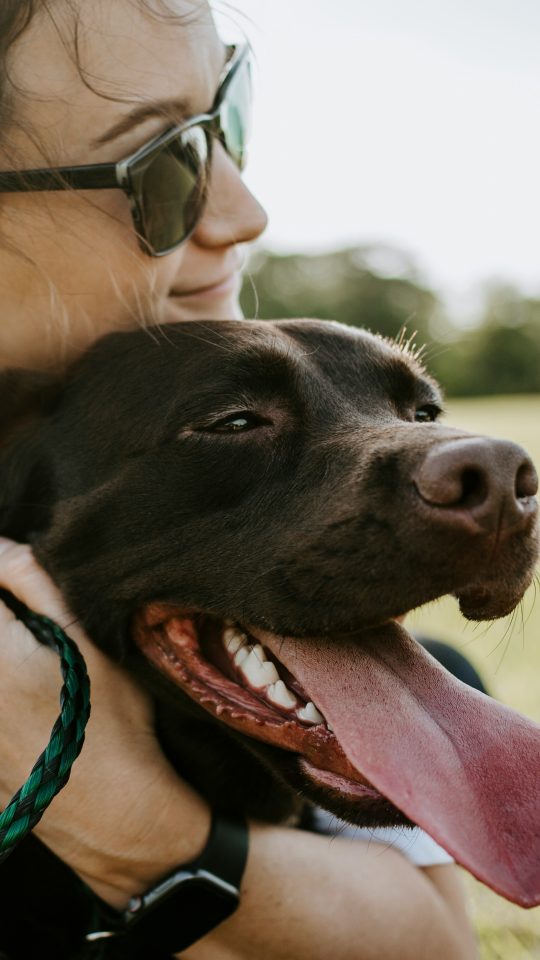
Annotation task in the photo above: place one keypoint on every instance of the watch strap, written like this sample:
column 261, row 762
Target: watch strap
column 181, row 908
column 226, row 850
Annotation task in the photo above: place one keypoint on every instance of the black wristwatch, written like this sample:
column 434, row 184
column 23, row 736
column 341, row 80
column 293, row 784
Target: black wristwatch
column 183, row 907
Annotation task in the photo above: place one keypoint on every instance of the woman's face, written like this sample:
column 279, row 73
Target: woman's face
column 71, row 268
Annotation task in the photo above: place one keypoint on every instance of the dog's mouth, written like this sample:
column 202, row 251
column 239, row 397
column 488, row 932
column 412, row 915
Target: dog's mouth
column 375, row 719
column 225, row 669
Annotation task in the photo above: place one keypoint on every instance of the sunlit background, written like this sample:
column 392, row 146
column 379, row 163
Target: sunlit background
column 396, row 148
column 402, row 123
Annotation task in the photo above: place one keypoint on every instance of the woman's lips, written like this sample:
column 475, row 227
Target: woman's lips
column 213, row 291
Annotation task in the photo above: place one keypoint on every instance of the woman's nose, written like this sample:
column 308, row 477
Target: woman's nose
column 232, row 214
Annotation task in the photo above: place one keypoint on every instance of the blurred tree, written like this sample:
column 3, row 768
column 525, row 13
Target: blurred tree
column 336, row 286
column 501, row 355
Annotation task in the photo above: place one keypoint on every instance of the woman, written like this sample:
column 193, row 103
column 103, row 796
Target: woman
column 91, row 84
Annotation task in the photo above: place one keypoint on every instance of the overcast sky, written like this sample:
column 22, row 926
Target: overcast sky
column 409, row 122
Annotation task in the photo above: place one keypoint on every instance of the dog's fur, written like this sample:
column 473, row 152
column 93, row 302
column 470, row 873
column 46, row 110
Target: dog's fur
column 308, row 523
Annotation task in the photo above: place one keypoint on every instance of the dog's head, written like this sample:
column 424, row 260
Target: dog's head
column 249, row 507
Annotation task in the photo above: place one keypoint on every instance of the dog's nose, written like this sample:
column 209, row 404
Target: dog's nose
column 492, row 480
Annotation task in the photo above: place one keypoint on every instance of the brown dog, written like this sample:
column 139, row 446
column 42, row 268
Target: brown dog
column 238, row 512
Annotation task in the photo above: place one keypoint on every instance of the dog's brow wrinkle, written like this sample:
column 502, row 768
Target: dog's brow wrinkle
column 293, row 344
column 164, row 419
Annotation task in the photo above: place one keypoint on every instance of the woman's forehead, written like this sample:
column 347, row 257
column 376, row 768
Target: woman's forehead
column 81, row 69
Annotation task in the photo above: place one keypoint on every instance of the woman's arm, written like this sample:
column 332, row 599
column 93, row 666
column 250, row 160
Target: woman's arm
column 308, row 897
column 125, row 819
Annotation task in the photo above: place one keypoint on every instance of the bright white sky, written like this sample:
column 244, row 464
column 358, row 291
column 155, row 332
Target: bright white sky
column 409, row 122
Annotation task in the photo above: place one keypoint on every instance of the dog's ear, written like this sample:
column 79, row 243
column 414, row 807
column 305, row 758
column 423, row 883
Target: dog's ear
column 27, row 398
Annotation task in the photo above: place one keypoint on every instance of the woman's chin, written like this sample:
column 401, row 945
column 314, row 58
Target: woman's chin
column 202, row 308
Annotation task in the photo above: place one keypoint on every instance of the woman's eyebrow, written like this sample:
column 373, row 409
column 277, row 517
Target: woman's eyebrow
column 180, row 110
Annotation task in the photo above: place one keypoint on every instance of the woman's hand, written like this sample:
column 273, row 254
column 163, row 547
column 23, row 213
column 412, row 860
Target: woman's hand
column 112, row 823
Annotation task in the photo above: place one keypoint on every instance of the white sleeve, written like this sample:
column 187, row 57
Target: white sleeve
column 413, row 843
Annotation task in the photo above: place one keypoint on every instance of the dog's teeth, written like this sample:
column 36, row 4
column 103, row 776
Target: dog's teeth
column 279, row 694
column 259, row 653
column 330, row 727
column 233, row 639
column 250, row 669
column 271, row 674
column 310, row 714
column 258, row 674
column 241, row 655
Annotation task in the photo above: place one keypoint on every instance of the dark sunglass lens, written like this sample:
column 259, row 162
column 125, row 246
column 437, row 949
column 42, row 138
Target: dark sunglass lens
column 235, row 115
column 172, row 190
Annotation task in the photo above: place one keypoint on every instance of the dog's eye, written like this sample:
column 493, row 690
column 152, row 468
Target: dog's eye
column 239, row 422
column 427, row 414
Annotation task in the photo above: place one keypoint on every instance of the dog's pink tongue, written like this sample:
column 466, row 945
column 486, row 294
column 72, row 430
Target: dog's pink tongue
column 459, row 764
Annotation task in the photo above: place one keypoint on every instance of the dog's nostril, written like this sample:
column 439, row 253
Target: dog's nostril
column 526, row 481
column 446, row 483
column 474, row 487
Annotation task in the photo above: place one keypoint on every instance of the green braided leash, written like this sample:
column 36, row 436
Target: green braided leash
column 52, row 769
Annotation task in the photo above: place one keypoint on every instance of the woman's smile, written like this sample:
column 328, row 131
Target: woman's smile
column 230, row 284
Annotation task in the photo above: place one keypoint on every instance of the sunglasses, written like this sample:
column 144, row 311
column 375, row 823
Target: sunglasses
column 166, row 180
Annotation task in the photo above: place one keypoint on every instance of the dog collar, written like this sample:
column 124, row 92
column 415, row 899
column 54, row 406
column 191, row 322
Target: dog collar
column 183, row 907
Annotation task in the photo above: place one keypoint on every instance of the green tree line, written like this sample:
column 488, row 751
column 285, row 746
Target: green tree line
column 500, row 354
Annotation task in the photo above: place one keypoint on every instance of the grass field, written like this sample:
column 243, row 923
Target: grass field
column 507, row 654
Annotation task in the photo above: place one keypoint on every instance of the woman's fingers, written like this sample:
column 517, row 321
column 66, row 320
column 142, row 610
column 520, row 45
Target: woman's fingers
column 22, row 576
column 30, row 677
column 25, row 663
column 26, row 666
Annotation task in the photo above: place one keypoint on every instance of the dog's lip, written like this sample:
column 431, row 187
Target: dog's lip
column 343, row 786
column 168, row 637
column 480, row 601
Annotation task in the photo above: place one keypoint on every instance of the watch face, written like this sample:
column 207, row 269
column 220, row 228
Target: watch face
column 180, row 911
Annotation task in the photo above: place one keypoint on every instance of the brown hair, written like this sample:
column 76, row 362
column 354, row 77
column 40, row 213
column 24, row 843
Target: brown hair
column 15, row 16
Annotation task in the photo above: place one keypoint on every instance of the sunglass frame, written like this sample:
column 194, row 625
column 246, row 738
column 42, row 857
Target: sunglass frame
column 110, row 176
